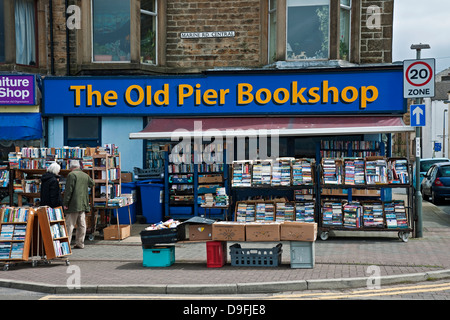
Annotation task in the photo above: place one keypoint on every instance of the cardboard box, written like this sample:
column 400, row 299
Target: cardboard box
column 126, row 177
column 114, row 233
column 228, row 231
column 200, row 232
column 298, row 231
column 260, row 231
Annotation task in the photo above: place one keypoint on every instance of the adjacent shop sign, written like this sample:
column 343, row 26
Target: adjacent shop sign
column 418, row 78
column 360, row 91
column 17, row 89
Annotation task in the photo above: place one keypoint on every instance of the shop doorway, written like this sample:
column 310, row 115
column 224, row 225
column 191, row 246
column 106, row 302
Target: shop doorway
column 82, row 131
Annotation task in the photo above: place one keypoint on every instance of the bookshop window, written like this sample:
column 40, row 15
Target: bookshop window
column 25, row 31
column 307, row 29
column 344, row 24
column 82, row 131
column 2, row 34
column 111, row 30
column 148, row 31
column 272, row 30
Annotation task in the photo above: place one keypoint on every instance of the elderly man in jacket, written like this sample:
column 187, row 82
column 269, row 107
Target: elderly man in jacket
column 76, row 202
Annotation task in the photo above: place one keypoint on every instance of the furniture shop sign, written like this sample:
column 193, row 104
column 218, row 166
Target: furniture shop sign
column 340, row 91
column 17, row 89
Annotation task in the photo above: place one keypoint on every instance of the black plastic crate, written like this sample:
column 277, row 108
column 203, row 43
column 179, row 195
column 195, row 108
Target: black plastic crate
column 255, row 257
column 170, row 235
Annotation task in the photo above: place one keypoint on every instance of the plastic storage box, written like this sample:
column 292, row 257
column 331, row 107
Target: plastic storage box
column 171, row 235
column 302, row 254
column 255, row 257
column 158, row 256
column 216, row 254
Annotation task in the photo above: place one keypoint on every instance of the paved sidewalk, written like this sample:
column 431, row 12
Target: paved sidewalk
column 342, row 261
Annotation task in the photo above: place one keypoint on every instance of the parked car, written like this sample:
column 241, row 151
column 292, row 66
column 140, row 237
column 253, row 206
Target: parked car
column 425, row 165
column 436, row 182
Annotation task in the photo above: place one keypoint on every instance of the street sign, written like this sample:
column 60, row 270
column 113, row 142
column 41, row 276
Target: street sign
column 437, row 146
column 417, row 114
column 418, row 78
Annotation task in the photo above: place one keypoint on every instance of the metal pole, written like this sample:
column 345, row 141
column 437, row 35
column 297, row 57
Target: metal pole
column 418, row 199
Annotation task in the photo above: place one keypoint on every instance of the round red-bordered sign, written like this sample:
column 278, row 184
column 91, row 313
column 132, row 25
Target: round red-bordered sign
column 430, row 71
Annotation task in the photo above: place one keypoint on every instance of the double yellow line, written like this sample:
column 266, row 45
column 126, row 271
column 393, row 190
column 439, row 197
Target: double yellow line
column 367, row 293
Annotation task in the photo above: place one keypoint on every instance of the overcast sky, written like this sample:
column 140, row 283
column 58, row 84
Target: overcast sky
column 422, row 21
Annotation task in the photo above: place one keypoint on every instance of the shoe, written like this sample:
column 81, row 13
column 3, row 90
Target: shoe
column 78, row 247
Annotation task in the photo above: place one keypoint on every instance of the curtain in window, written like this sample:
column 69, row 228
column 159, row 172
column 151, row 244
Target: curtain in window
column 25, row 32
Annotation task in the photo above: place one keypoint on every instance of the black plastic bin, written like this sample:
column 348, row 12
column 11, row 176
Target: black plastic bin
column 170, row 235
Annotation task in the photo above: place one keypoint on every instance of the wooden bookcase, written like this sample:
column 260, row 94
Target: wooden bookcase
column 15, row 234
column 107, row 178
column 54, row 232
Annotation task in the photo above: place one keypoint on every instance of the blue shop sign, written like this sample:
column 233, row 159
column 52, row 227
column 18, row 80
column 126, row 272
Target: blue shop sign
column 353, row 91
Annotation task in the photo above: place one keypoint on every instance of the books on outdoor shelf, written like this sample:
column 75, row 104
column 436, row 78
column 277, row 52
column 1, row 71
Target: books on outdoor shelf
column 54, row 214
column 7, row 232
column 5, row 249
column 15, row 214
column 281, row 172
column 302, row 172
column 332, row 214
column 373, row 215
column 284, row 211
column 398, row 171
column 17, row 250
column 242, row 174
column 304, row 194
column 376, row 171
column 331, row 171
column 4, row 178
column 352, row 214
column 304, row 211
column 395, row 214
column 262, row 171
column 61, row 247
column 354, row 171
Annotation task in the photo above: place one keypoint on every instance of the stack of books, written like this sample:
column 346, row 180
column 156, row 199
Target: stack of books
column 332, row 171
column 262, row 170
column 302, row 172
column 373, row 215
column 15, row 214
column 17, row 250
column 304, row 211
column 19, row 232
column 280, row 211
column 5, row 249
column 354, row 171
column 352, row 215
column 395, row 213
column 304, row 194
column 376, row 171
column 242, row 174
column 221, row 198
column 332, row 214
column 398, row 171
column 281, row 172
column 7, row 232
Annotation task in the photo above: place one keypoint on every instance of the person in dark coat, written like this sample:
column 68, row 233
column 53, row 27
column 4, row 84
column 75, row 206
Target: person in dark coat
column 50, row 191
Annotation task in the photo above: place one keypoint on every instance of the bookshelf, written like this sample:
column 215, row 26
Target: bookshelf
column 195, row 188
column 54, row 232
column 15, row 234
column 107, row 178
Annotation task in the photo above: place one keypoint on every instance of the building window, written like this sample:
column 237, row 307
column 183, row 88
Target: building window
column 82, row 131
column 148, row 31
column 272, row 30
column 25, row 30
column 308, row 24
column 344, row 25
column 111, row 30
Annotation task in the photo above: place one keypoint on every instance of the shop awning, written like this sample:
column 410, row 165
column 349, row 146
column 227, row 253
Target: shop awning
column 20, row 126
column 163, row 128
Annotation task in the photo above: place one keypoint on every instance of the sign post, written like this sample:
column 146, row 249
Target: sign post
column 418, row 83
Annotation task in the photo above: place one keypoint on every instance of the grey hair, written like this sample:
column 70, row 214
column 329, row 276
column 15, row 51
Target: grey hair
column 54, row 168
column 74, row 164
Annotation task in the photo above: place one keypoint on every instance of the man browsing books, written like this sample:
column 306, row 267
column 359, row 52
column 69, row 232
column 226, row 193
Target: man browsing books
column 76, row 202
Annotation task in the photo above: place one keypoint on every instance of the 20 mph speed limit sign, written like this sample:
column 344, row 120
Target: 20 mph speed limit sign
column 418, row 78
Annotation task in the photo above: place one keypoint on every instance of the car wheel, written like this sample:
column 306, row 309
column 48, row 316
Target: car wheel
column 434, row 198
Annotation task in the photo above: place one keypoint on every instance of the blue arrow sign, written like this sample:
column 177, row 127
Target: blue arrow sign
column 417, row 114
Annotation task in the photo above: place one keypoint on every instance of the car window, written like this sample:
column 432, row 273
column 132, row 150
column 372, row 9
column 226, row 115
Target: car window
column 425, row 165
column 429, row 171
column 445, row 171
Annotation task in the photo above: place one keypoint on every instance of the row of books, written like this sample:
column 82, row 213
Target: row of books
column 15, row 214
column 54, row 214
column 343, row 154
column 391, row 214
column 12, row 232
column 275, row 211
column 4, row 178
column 355, row 145
column 61, row 247
column 357, row 171
column 64, row 152
column 10, row 250
column 58, row 230
column 280, row 172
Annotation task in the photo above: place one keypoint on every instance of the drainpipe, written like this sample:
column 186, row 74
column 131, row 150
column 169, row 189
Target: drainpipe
column 52, row 49
column 67, row 44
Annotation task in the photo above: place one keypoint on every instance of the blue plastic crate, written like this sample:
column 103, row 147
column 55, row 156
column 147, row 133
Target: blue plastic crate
column 158, row 256
column 255, row 257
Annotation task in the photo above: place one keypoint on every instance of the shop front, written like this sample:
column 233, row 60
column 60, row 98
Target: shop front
column 220, row 117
